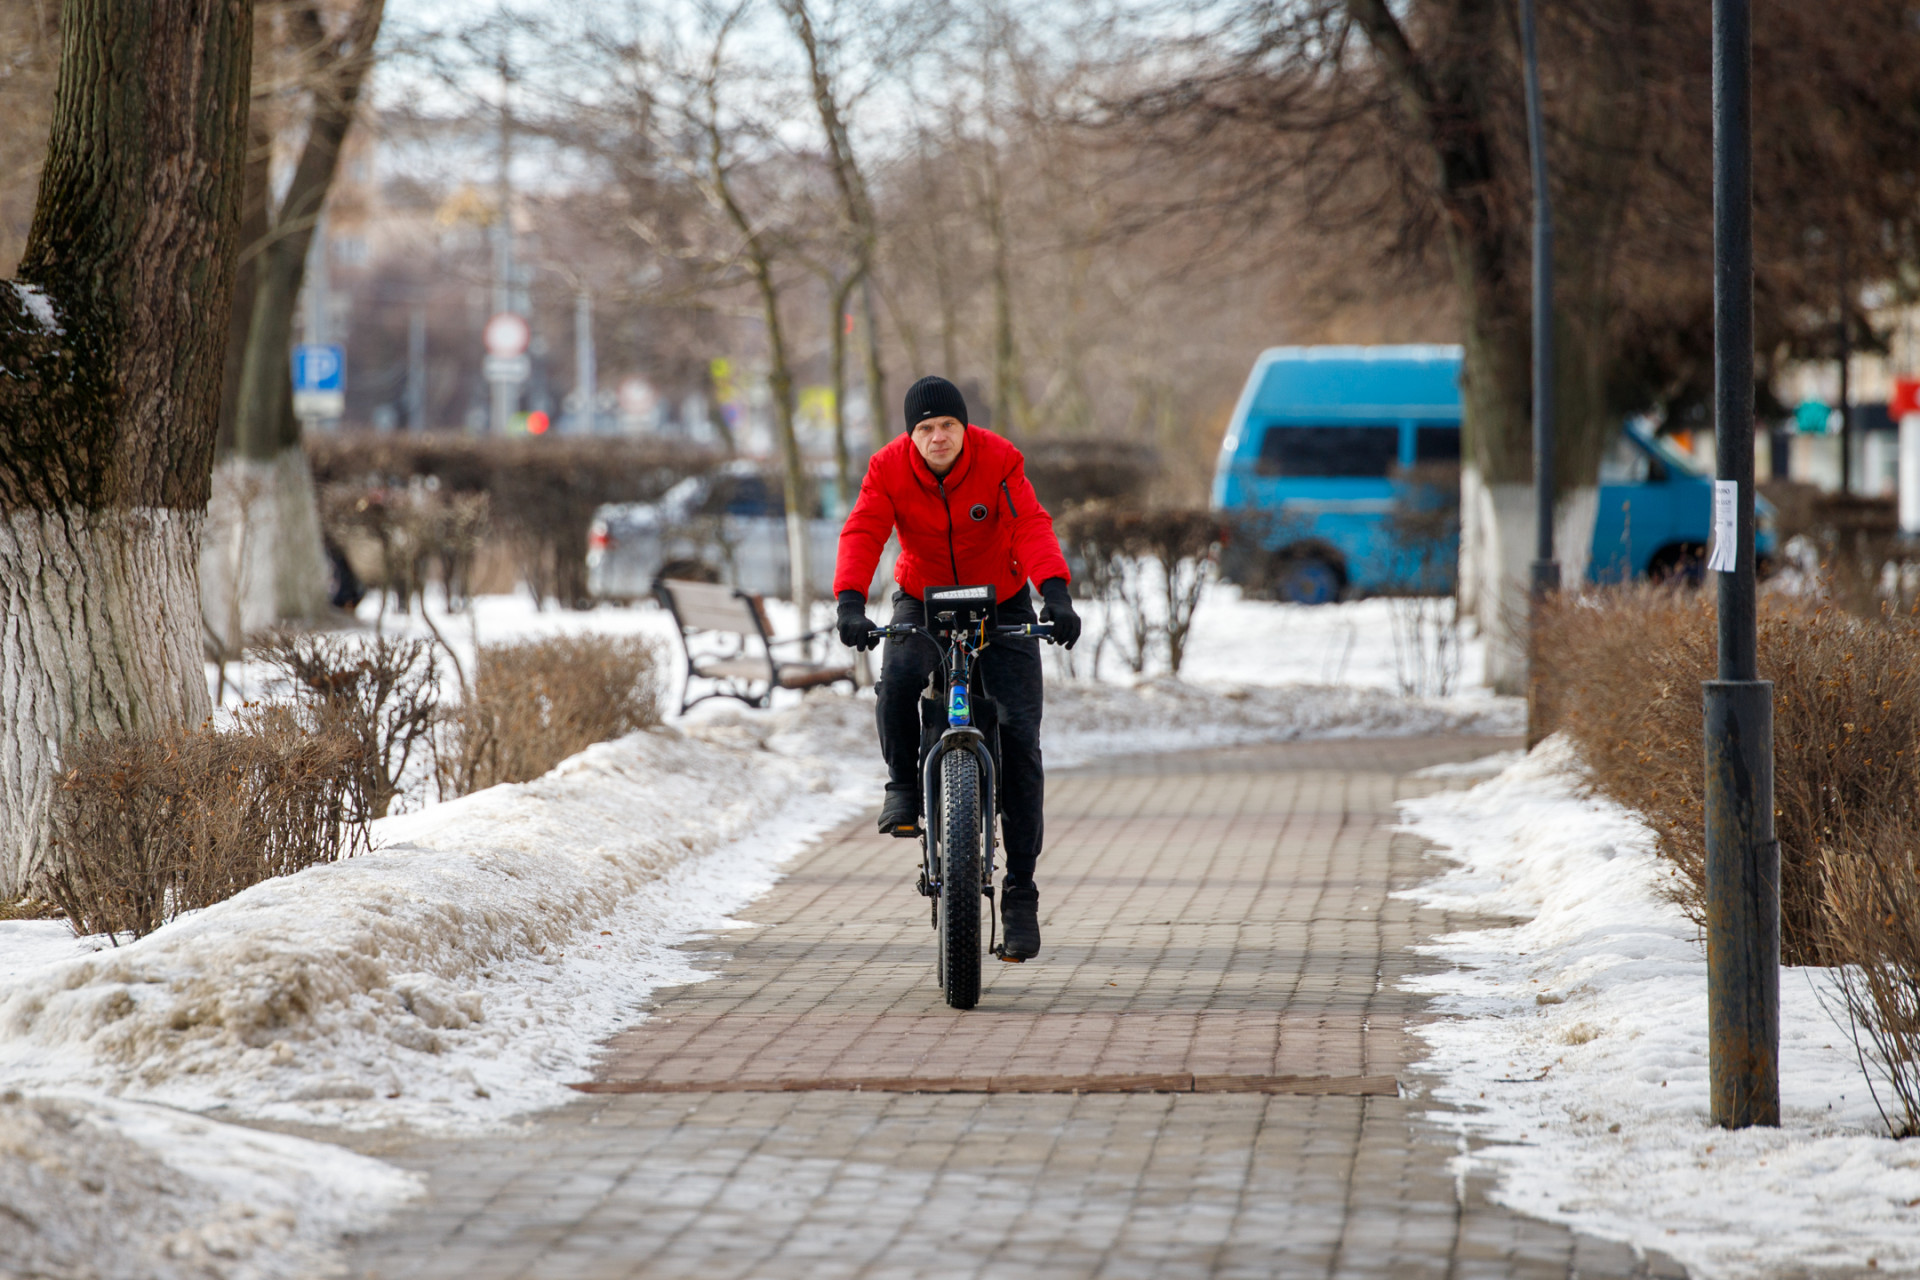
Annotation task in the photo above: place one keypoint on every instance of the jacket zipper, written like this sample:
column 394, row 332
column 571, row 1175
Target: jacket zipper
column 953, row 561
column 1008, row 494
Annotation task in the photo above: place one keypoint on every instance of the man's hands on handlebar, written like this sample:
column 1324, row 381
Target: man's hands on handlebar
column 1058, row 622
column 855, row 627
column 1059, row 611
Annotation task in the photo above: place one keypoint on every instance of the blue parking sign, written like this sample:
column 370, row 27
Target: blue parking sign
column 318, row 367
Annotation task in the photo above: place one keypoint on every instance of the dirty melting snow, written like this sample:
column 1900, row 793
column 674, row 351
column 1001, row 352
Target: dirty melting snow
column 100, row 1187
column 1577, row 1050
column 453, row 979
column 461, row 974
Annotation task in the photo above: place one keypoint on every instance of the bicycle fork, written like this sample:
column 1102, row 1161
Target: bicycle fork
column 959, row 738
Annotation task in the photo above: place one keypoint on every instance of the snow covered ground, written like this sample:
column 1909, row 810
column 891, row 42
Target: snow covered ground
column 94, row 1187
column 1577, row 1050
column 461, row 974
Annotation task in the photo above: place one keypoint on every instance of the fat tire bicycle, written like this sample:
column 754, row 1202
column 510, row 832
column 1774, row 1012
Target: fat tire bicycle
column 959, row 768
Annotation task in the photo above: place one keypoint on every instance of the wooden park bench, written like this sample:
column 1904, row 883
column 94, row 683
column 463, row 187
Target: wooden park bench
column 738, row 671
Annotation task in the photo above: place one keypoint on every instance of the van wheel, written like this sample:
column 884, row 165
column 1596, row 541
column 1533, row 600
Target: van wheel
column 1681, row 564
column 1306, row 580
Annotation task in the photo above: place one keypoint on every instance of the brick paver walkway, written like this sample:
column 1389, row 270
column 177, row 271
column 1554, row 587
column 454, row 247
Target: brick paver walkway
column 1217, row 917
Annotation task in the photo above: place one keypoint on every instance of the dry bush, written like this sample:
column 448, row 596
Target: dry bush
column 406, row 536
column 1113, row 540
column 1872, row 911
column 380, row 696
column 541, row 492
column 534, row 704
column 147, row 827
column 1066, row 473
column 1625, row 671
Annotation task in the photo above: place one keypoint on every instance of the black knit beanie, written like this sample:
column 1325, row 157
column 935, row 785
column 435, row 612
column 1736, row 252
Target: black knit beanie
column 933, row 397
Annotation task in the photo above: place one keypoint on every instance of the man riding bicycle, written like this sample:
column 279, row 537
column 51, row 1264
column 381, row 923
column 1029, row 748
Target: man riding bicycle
column 959, row 498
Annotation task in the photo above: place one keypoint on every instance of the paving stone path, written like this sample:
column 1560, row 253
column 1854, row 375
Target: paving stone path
column 1220, row 938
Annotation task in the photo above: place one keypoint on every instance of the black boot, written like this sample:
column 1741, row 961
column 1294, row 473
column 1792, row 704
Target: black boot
column 900, row 815
column 1020, row 920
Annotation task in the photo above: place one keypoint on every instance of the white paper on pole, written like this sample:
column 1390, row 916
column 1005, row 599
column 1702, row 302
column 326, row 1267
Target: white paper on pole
column 1726, row 526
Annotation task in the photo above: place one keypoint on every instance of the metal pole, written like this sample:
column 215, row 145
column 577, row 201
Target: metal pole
column 417, row 368
column 1743, row 859
column 505, row 394
column 1846, row 392
column 1546, row 569
column 585, row 376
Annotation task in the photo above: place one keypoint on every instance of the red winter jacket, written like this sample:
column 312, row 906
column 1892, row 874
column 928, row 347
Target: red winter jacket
column 979, row 523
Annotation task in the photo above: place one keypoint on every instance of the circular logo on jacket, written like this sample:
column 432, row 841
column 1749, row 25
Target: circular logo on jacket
column 979, row 511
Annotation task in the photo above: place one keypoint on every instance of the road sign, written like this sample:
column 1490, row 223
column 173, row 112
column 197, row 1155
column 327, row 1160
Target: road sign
column 1812, row 418
column 507, row 335
column 506, row 368
column 1905, row 398
column 319, row 381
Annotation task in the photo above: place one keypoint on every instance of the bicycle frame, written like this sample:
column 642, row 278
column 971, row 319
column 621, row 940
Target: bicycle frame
column 961, row 734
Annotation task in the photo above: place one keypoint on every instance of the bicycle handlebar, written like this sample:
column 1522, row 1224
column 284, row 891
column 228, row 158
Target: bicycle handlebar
column 1039, row 630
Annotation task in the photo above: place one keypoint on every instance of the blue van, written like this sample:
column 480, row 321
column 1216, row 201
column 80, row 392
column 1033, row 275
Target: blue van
column 1326, row 452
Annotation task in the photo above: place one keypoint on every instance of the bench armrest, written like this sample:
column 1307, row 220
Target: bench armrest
column 810, row 635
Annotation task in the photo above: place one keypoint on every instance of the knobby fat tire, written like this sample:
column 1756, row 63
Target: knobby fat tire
column 960, row 878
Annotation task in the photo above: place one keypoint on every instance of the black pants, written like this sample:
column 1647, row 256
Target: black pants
column 1006, row 676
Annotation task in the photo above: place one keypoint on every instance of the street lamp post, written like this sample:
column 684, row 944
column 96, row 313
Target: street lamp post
column 1546, row 569
column 1743, row 858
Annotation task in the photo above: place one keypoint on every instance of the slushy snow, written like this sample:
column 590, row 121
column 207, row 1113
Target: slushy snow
column 1576, row 1049
column 466, row 970
column 99, row 1187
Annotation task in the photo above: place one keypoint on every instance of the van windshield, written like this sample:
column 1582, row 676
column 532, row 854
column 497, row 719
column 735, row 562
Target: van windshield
column 1327, row 451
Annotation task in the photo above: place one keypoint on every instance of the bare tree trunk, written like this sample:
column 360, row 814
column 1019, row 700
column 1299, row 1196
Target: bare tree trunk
column 286, row 569
column 857, row 208
column 780, row 386
column 779, row 369
column 877, row 412
column 1445, row 97
column 112, row 336
column 839, row 295
column 1008, row 402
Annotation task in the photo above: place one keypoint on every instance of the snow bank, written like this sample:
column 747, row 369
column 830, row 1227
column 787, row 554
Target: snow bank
column 1577, row 1050
column 100, row 1188
column 1086, row 721
column 461, row 973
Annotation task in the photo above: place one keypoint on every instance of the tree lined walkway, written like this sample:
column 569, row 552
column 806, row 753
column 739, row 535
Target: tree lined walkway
column 1204, row 1074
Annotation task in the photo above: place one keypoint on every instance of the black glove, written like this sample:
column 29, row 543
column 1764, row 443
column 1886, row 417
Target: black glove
column 856, row 628
column 1059, row 611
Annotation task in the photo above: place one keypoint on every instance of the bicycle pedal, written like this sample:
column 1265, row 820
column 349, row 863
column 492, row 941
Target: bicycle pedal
column 906, row 832
column 1001, row 952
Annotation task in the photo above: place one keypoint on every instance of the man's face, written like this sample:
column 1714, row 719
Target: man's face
column 939, row 440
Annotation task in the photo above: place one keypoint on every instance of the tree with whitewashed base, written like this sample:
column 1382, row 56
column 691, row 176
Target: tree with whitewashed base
column 111, row 342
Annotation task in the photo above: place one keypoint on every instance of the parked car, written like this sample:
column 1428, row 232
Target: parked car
column 1334, row 454
column 729, row 525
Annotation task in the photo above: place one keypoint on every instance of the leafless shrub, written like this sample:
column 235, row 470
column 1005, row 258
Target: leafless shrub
column 1424, row 529
column 1625, row 669
column 541, row 494
column 147, row 827
column 1178, row 544
column 1067, row 473
column 1091, row 532
column 1872, row 910
column 409, row 536
column 380, row 695
column 536, row 703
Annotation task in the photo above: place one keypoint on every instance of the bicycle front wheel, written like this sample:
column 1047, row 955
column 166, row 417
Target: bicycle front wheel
column 960, row 827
